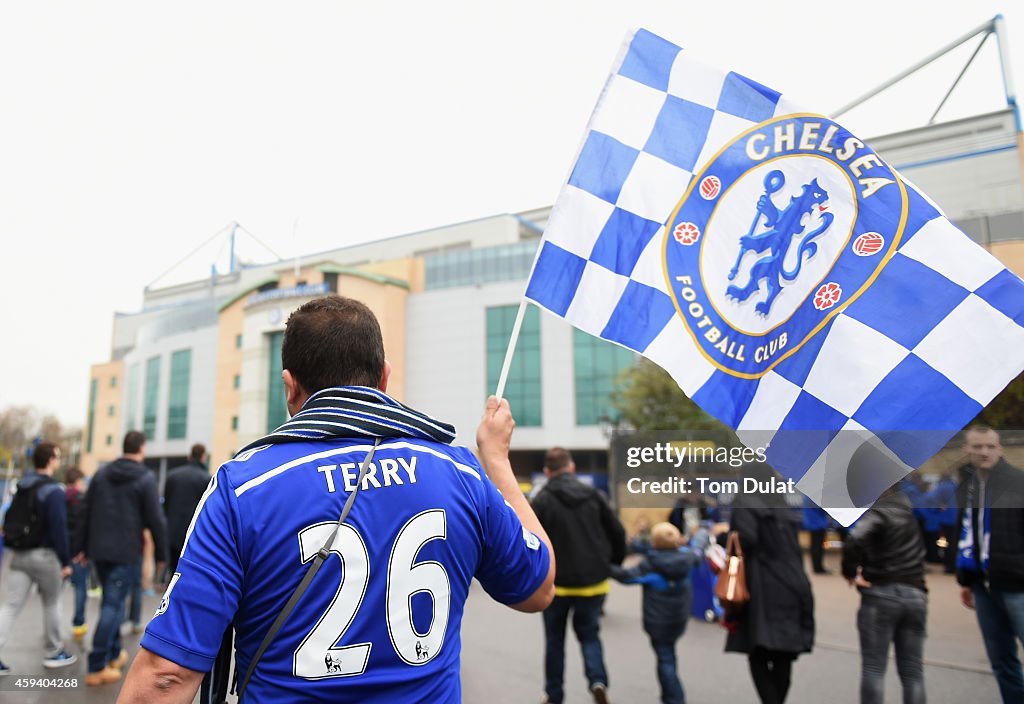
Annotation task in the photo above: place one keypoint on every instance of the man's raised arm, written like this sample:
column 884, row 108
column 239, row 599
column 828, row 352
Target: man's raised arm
column 493, row 437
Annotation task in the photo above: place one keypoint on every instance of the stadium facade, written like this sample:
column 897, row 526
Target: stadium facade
column 200, row 362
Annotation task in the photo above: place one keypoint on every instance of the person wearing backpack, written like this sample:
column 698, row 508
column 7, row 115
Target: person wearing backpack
column 35, row 530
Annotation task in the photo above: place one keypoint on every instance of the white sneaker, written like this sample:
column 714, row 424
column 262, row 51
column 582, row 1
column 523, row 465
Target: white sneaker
column 61, row 659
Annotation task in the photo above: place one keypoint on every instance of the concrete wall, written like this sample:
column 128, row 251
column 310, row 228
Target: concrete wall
column 106, row 426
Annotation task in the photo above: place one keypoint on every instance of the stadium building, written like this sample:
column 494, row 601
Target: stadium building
column 200, row 362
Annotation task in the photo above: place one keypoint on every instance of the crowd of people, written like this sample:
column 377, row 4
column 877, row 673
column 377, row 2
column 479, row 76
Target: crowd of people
column 415, row 519
column 93, row 535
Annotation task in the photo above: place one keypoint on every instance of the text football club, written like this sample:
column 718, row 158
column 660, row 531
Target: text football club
column 786, row 226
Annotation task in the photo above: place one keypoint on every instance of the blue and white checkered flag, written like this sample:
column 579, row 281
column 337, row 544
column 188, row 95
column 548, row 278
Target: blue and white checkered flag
column 795, row 285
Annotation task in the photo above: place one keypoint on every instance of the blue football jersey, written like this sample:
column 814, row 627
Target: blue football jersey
column 381, row 620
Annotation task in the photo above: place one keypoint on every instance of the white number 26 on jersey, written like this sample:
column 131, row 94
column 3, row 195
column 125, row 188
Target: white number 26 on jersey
column 319, row 656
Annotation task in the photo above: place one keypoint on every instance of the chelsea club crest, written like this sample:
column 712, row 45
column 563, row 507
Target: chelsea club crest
column 786, row 226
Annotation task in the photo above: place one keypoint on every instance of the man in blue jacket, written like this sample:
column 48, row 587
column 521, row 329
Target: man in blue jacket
column 45, row 565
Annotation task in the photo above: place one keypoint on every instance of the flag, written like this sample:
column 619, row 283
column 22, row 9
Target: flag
column 795, row 286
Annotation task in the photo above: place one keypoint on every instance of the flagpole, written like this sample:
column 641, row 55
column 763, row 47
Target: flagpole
column 500, row 392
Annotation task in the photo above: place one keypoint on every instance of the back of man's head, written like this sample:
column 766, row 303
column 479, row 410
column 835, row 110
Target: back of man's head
column 197, row 453
column 333, row 341
column 557, row 460
column 133, row 443
column 42, row 454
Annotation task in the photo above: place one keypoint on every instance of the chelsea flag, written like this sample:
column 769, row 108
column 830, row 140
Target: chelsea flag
column 795, row 285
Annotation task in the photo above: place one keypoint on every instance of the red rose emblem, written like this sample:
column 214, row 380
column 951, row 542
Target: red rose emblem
column 827, row 296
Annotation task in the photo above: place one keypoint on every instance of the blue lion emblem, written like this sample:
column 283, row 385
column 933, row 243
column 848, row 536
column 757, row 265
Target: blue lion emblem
column 783, row 226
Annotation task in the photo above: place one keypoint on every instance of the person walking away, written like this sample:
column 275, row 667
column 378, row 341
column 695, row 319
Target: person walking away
column 883, row 557
column 183, row 489
column 35, row 531
column 122, row 499
column 74, row 484
column 667, row 600
column 777, row 624
column 990, row 566
column 587, row 539
column 393, row 551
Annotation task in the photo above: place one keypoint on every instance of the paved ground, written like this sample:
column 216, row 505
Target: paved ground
column 503, row 652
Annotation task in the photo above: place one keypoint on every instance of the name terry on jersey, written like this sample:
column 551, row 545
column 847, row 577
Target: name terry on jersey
column 384, row 473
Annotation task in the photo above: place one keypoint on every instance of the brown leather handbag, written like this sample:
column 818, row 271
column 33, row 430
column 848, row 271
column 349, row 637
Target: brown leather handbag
column 731, row 587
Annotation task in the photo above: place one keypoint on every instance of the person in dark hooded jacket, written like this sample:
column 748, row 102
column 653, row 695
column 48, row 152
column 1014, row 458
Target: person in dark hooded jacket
column 122, row 499
column 668, row 596
column 587, row 539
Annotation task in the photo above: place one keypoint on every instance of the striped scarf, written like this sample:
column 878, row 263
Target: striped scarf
column 972, row 556
column 355, row 412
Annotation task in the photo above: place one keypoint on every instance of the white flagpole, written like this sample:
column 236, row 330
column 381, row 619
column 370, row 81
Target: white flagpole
column 511, row 349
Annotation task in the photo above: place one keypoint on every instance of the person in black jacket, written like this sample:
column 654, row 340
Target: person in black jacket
column 777, row 624
column 122, row 499
column 183, row 490
column 990, row 565
column 668, row 596
column 45, row 565
column 587, row 539
column 884, row 558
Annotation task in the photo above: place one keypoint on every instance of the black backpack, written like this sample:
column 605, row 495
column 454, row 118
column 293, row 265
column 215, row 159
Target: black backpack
column 24, row 524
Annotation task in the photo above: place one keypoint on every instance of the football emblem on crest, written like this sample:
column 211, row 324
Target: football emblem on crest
column 867, row 244
column 710, row 187
column 686, row 233
column 792, row 221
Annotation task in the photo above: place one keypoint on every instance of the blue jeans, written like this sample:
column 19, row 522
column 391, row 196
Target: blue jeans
column 892, row 613
column 116, row 580
column 80, row 581
column 586, row 622
column 1001, row 618
column 663, row 640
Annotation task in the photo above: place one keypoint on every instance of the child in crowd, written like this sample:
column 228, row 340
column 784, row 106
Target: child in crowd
column 664, row 573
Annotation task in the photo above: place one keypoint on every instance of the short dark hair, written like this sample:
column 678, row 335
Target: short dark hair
column 197, row 452
column 73, row 475
column 557, row 459
column 133, row 442
column 333, row 341
column 43, row 453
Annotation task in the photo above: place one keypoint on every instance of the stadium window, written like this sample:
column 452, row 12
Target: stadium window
column 111, row 411
column 597, row 363
column 133, row 396
column 277, row 407
column 237, row 381
column 113, row 382
column 177, row 407
column 234, row 422
column 523, row 386
column 110, row 440
column 150, row 393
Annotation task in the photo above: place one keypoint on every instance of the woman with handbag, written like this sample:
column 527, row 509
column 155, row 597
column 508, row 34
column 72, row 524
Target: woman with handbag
column 776, row 624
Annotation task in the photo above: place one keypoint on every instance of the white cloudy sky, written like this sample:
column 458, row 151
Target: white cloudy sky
column 130, row 132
